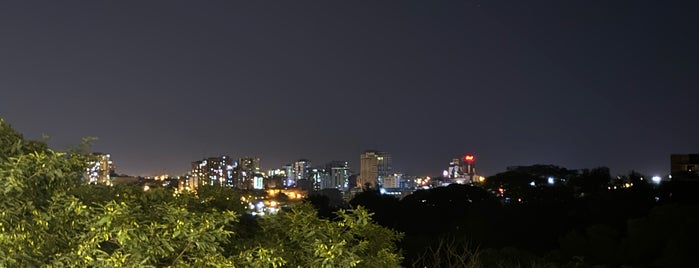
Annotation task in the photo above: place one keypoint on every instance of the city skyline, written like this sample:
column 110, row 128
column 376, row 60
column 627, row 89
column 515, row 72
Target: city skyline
column 163, row 83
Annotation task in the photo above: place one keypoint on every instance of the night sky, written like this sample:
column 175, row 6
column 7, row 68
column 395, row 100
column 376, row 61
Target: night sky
column 579, row 84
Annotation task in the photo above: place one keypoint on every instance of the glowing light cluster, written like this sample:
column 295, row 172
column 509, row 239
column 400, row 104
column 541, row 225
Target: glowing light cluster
column 469, row 158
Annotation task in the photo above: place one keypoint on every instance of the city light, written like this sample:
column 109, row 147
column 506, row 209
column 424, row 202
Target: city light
column 469, row 158
column 656, row 179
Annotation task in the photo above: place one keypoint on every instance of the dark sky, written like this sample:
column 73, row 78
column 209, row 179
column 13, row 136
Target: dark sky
column 579, row 84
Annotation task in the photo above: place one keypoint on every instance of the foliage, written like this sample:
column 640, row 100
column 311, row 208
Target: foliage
column 591, row 181
column 34, row 181
column 302, row 239
column 215, row 198
column 449, row 253
column 50, row 218
column 386, row 208
column 662, row 238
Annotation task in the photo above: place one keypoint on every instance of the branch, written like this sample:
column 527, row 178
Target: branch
column 182, row 252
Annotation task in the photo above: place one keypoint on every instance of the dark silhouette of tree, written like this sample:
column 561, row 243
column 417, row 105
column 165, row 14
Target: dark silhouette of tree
column 590, row 181
column 385, row 208
column 327, row 202
column 322, row 204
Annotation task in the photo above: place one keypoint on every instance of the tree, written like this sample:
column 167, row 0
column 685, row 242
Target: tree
column 591, row 181
column 302, row 239
column 34, row 182
column 386, row 208
column 50, row 218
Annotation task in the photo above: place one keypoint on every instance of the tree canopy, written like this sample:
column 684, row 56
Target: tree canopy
column 50, row 218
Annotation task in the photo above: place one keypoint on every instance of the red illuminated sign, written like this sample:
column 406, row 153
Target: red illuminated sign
column 469, row 158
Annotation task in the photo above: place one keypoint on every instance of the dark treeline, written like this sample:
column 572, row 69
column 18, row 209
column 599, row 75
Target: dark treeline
column 583, row 219
column 535, row 216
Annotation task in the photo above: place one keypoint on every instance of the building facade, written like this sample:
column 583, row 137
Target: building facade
column 684, row 166
column 338, row 176
column 374, row 167
column 247, row 173
column 212, row 171
column 99, row 168
column 301, row 169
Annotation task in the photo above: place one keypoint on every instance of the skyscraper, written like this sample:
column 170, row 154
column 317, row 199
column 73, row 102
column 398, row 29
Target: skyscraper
column 338, row 176
column 290, row 179
column 374, row 166
column 301, row 169
column 469, row 166
column 213, row 171
column 246, row 172
column 316, row 176
column 454, row 169
column 98, row 169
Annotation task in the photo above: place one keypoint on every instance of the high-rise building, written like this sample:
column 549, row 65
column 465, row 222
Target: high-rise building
column 461, row 170
column 275, row 178
column 247, row 174
column 338, row 176
column 392, row 181
column 213, row 171
column 251, row 164
column 316, row 176
column 220, row 170
column 374, row 166
column 187, row 183
column 258, row 181
column 454, row 170
column 276, row 172
column 197, row 175
column 99, row 168
column 301, row 168
column 290, row 180
column 469, row 165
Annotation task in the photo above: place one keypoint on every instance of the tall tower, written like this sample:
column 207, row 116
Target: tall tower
column 373, row 167
column 213, row 171
column 469, row 165
column 98, row 169
column 301, row 169
column 197, row 175
column 250, row 164
column 290, row 179
column 338, row 176
column 247, row 169
column 454, row 170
